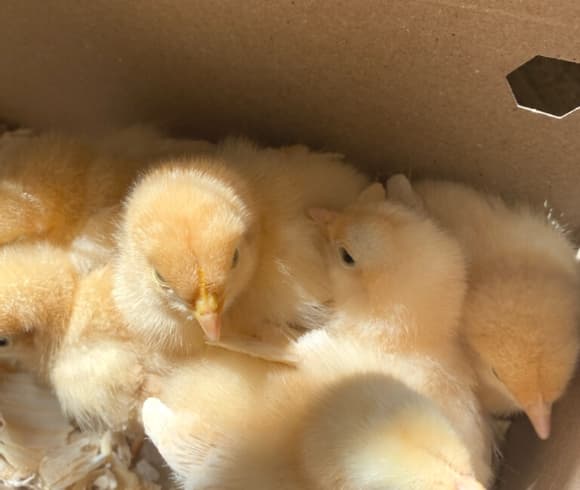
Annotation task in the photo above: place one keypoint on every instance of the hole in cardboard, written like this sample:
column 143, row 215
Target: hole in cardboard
column 547, row 86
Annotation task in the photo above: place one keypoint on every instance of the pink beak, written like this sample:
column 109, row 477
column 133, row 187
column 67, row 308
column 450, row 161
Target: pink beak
column 539, row 414
column 211, row 324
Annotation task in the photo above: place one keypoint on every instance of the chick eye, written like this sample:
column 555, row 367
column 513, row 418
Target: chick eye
column 235, row 258
column 159, row 278
column 346, row 257
column 4, row 341
column 494, row 372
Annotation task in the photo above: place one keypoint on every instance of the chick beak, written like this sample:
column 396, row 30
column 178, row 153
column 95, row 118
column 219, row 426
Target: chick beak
column 539, row 414
column 208, row 314
column 210, row 324
column 467, row 483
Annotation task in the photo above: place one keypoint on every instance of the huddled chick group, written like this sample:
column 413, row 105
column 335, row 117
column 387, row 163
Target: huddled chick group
column 271, row 319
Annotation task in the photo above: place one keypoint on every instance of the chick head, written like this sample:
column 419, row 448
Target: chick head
column 188, row 244
column 387, row 259
column 382, row 434
column 523, row 332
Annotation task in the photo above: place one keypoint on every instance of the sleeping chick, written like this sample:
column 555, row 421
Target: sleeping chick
column 521, row 308
column 225, row 239
column 349, row 417
column 395, row 272
column 51, row 185
column 67, row 330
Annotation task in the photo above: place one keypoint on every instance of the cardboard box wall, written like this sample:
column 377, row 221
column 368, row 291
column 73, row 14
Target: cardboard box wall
column 397, row 85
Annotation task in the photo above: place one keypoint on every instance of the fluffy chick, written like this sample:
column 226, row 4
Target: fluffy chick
column 52, row 185
column 98, row 372
column 349, row 417
column 67, row 330
column 226, row 239
column 37, row 287
column 49, row 186
column 521, row 308
column 398, row 280
column 392, row 294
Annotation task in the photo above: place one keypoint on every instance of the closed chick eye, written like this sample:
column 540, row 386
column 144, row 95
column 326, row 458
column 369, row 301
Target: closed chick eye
column 235, row 258
column 494, row 372
column 160, row 279
column 346, row 257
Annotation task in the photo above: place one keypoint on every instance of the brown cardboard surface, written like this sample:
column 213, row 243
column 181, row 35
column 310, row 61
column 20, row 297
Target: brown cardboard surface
column 398, row 85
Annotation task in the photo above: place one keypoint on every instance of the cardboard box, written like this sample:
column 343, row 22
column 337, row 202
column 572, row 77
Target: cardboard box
column 411, row 85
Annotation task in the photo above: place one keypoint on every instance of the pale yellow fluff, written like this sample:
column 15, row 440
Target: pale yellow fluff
column 349, row 417
column 57, row 187
column 37, row 287
column 67, row 330
column 225, row 239
column 398, row 285
column 398, row 280
column 521, row 313
column 99, row 371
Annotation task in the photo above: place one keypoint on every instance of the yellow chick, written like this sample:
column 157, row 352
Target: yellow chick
column 226, row 239
column 68, row 331
column 52, row 185
column 349, row 417
column 392, row 295
column 49, row 186
column 521, row 310
column 396, row 272
column 37, row 287
column 98, row 372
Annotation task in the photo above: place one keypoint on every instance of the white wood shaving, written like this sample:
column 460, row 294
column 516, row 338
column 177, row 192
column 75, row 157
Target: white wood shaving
column 41, row 450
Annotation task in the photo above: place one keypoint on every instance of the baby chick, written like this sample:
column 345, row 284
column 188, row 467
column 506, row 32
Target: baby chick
column 384, row 303
column 225, row 239
column 52, row 185
column 521, row 312
column 98, row 372
column 349, row 417
column 37, row 287
column 398, row 280
column 67, row 330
